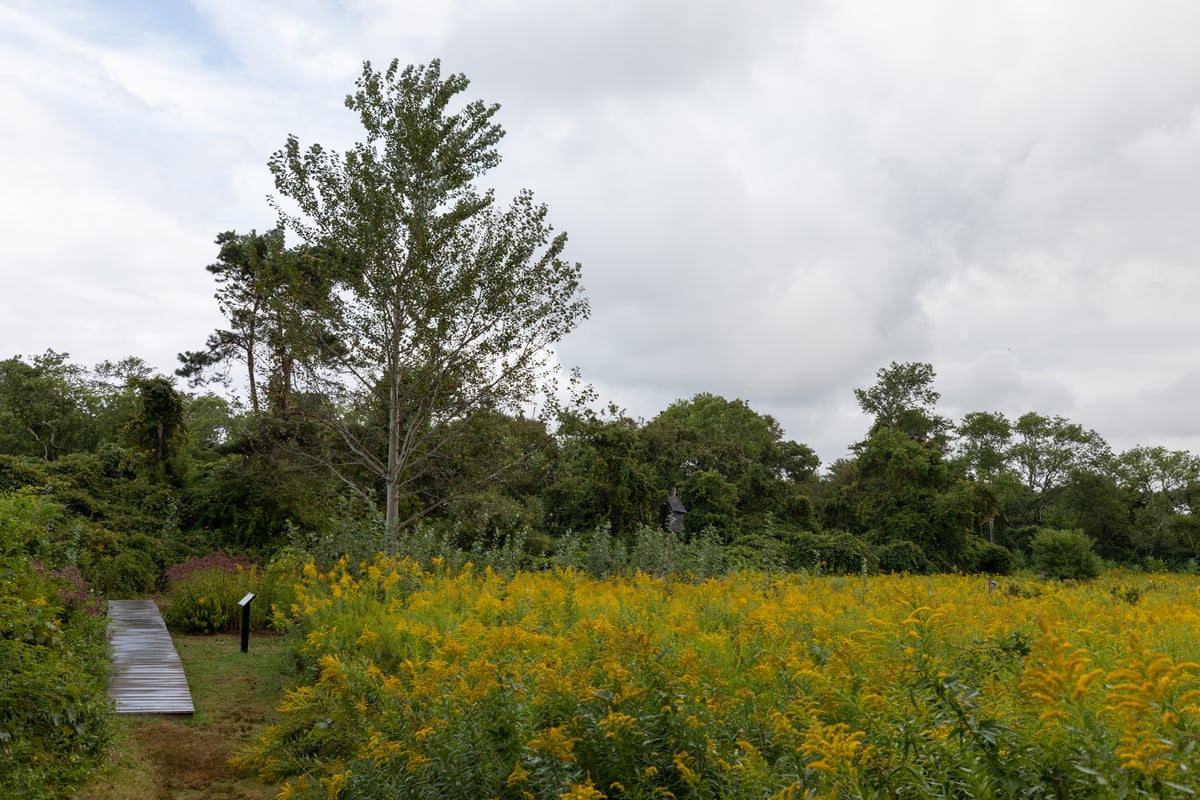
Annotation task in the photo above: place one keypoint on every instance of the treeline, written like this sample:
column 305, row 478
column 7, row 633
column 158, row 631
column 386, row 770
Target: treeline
column 149, row 475
column 389, row 363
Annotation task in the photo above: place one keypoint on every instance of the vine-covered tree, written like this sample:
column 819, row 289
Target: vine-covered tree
column 450, row 302
column 695, row 442
column 601, row 476
column 1046, row 451
column 156, row 431
column 903, row 399
column 46, row 407
column 904, row 490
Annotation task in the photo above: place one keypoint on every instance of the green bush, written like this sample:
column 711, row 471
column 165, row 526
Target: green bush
column 203, row 593
column 902, row 556
column 55, row 720
column 1065, row 554
column 354, row 529
column 981, row 556
column 206, row 602
column 17, row 472
column 654, row 551
column 603, row 553
column 832, row 552
column 128, row 573
column 761, row 549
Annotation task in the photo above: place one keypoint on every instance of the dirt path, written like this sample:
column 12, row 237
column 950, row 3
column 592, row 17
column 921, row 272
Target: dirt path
column 188, row 759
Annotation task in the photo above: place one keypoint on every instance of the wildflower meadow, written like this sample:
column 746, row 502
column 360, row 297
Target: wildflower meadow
column 460, row 683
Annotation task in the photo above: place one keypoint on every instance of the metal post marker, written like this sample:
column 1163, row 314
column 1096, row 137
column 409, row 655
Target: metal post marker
column 245, row 604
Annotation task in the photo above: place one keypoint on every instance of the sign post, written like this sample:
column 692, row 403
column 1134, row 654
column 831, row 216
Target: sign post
column 245, row 604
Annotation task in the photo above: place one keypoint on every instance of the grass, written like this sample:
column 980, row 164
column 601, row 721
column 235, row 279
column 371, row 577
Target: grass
column 234, row 694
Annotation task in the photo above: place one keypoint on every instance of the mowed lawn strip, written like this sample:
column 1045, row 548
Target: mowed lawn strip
column 235, row 695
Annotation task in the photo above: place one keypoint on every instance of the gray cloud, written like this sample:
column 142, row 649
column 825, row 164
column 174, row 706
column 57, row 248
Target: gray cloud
column 770, row 199
column 581, row 53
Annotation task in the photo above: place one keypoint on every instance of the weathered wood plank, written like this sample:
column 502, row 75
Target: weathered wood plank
column 147, row 675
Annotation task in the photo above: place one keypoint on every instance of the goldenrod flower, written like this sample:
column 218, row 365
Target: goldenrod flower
column 583, row 791
column 554, row 742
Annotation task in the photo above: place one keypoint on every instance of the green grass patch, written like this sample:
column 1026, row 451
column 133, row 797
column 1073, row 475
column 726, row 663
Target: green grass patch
column 234, row 694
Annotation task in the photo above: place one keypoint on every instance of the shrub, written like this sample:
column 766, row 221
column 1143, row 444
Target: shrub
column 28, row 520
column 1065, row 554
column 129, row 572
column 506, row 559
column 74, row 594
column 465, row 684
column 212, row 561
column 902, row 556
column 651, row 552
column 423, row 543
column 833, row 552
column 568, row 550
column 981, row 556
column 204, row 592
column 353, row 529
column 206, row 602
column 759, row 550
column 56, row 719
column 603, row 553
column 704, row 556
column 54, row 713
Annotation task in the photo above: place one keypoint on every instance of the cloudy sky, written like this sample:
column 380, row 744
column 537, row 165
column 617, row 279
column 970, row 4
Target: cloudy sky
column 771, row 199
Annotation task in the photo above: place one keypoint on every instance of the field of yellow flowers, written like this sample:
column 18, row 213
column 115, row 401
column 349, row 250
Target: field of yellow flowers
column 464, row 684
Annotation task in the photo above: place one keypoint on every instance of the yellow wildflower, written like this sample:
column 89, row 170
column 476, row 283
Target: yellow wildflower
column 583, row 791
column 554, row 742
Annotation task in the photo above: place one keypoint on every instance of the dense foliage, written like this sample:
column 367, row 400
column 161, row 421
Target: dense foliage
column 154, row 476
column 422, row 683
column 54, row 713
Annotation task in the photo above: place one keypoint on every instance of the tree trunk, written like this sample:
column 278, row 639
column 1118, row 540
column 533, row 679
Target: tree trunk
column 391, row 539
column 251, row 343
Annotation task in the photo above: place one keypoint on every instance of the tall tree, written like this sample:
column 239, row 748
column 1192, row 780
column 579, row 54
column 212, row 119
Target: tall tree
column 904, row 489
column 1162, row 484
column 46, row 407
column 694, row 440
column 903, row 399
column 450, row 303
column 1095, row 503
column 270, row 295
column 1046, row 450
column 982, row 454
column 983, row 441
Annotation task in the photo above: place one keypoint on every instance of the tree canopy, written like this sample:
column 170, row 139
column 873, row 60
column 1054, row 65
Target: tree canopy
column 449, row 302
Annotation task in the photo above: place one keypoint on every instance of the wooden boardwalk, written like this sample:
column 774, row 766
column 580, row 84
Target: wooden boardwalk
column 147, row 675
